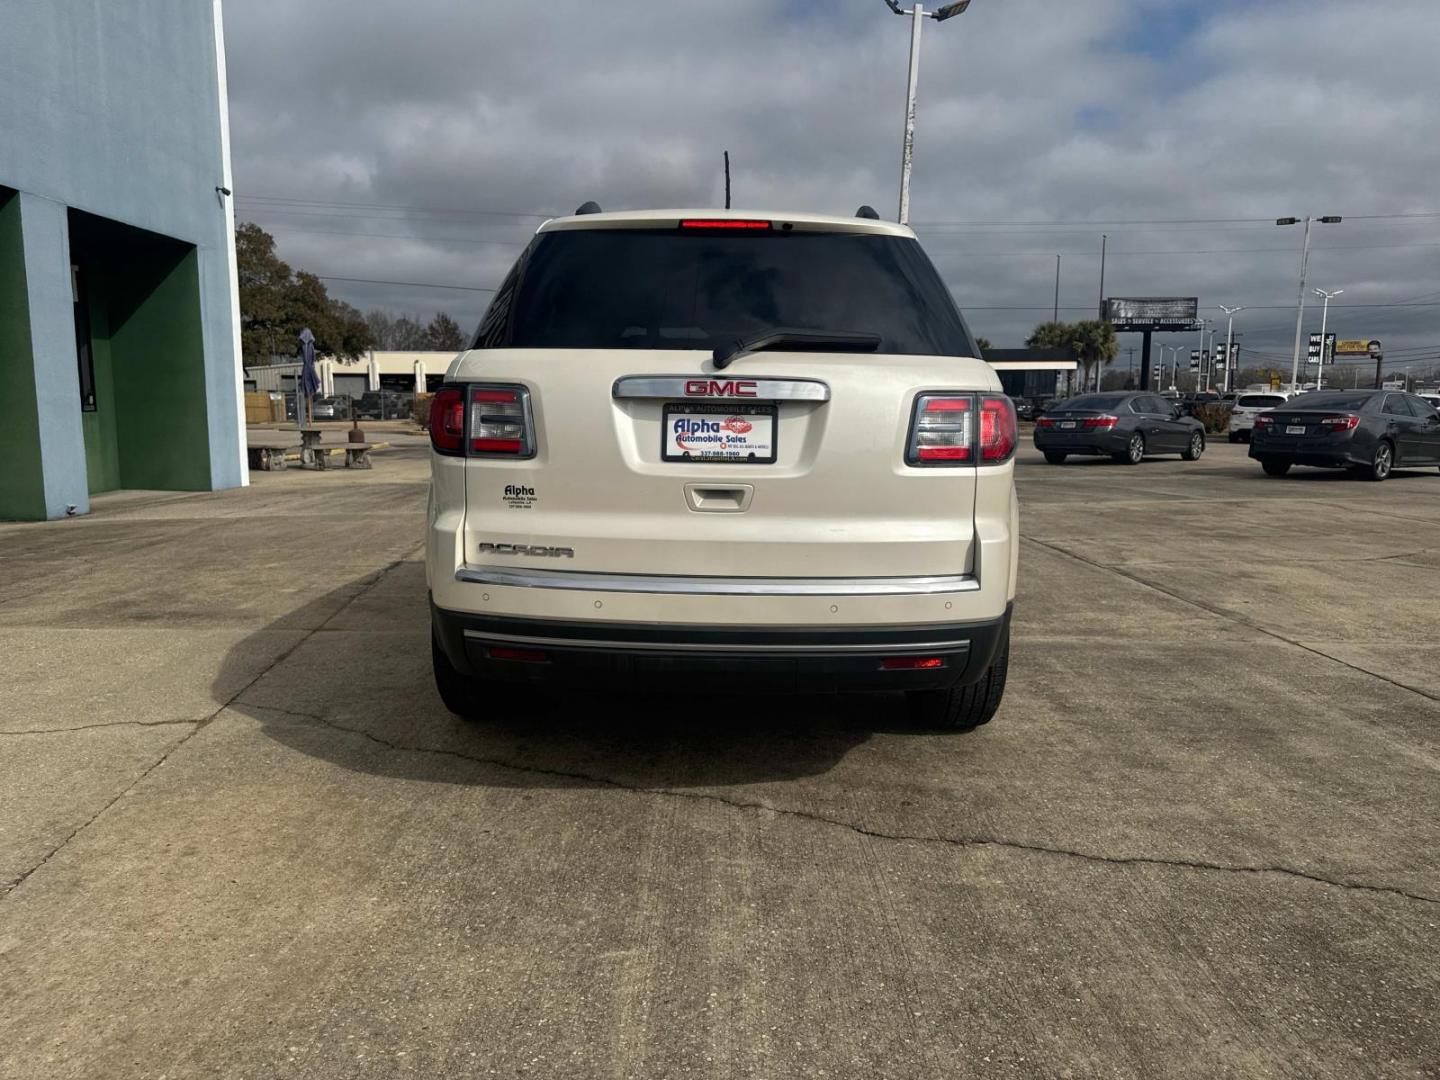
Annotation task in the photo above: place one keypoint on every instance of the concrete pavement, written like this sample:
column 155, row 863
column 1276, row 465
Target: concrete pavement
column 239, row 835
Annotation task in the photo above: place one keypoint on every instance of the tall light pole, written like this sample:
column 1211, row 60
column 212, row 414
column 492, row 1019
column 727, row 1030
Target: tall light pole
column 907, row 152
column 1304, row 270
column 1324, row 324
column 1229, row 340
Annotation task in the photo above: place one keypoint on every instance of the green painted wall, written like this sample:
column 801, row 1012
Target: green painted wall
column 102, row 450
column 22, row 479
column 154, row 367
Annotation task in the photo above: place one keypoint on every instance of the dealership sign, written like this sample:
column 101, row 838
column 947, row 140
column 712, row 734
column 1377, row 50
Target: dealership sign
column 1152, row 312
column 1357, row 347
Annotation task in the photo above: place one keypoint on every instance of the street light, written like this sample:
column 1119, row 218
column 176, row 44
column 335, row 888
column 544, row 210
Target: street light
column 1304, row 269
column 1229, row 341
column 1324, row 324
column 907, row 151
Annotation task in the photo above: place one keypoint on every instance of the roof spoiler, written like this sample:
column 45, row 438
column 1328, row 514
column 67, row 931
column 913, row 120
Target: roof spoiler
column 590, row 207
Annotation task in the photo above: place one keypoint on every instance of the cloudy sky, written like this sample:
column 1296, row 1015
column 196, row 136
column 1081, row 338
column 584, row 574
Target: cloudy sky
column 423, row 140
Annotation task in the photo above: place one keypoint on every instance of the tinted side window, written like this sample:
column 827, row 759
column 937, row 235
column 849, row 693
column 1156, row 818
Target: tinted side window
column 1396, row 405
column 495, row 326
column 668, row 288
column 1420, row 407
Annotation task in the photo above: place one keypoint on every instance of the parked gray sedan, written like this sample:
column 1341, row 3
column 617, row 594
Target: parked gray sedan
column 1128, row 427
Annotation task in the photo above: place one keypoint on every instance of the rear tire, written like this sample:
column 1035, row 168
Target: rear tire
column 1234, row 436
column 963, row 708
column 1134, row 451
column 1274, row 467
column 456, row 690
column 1195, row 448
column 1054, row 458
column 1381, row 464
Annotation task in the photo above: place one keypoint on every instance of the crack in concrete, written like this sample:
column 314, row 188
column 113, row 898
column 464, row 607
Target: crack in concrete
column 95, row 727
column 877, row 834
column 1230, row 616
column 8, row 888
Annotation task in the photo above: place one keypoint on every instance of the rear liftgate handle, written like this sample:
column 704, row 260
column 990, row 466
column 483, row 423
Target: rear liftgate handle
column 719, row 498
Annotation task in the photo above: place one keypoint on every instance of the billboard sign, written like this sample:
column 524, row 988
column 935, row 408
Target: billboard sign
column 1357, row 347
column 1130, row 313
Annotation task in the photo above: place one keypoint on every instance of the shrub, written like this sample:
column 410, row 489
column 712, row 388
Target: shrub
column 420, row 410
column 1216, row 418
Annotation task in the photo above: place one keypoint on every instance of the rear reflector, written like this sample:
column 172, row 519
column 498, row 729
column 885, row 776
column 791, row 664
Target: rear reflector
column 447, row 421
column 523, row 656
column 942, row 431
column 912, row 663
column 724, row 223
column 999, row 430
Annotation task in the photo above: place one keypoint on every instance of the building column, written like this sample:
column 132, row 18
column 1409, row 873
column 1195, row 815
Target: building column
column 45, row 239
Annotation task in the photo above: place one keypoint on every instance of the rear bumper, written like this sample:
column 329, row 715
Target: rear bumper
column 711, row 658
column 1104, row 441
column 1334, row 452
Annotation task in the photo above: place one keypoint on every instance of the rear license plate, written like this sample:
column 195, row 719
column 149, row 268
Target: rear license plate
column 1295, row 429
column 1066, row 425
column 743, row 434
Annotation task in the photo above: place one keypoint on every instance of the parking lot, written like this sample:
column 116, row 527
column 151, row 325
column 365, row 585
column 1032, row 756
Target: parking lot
column 240, row 836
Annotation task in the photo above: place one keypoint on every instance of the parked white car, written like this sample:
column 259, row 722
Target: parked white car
column 1249, row 406
column 724, row 452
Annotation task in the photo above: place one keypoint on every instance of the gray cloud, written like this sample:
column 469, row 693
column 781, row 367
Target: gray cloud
column 1030, row 110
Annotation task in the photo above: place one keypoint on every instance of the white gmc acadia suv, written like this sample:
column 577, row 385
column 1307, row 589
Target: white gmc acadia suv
column 719, row 451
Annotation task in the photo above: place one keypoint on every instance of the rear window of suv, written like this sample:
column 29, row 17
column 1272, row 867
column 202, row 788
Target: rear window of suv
column 668, row 289
column 1260, row 401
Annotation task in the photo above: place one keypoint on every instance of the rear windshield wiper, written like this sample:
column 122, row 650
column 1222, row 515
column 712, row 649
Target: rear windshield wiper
column 791, row 340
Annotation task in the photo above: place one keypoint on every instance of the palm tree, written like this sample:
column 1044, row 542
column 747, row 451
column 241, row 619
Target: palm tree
column 1094, row 343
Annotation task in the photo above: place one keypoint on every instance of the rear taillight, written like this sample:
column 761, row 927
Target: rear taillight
column 447, row 421
column 1101, row 421
column 999, row 431
column 942, row 431
column 1044, row 421
column 500, row 422
column 1262, row 420
column 1237, row 412
column 1340, row 423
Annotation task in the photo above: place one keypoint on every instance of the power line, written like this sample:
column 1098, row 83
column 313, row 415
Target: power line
column 411, row 284
column 278, row 199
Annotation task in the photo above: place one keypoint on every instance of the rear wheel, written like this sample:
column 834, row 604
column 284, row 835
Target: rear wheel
column 1381, row 463
column 1134, row 451
column 1234, row 436
column 456, row 690
column 1275, row 466
column 1196, row 447
column 1055, row 459
column 963, row 708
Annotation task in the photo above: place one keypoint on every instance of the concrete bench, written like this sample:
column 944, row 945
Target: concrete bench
column 357, row 455
column 269, row 458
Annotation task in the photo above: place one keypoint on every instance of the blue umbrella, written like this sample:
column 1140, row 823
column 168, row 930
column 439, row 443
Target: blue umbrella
column 309, row 377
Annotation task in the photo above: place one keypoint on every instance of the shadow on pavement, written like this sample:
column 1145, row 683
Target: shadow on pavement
column 366, row 671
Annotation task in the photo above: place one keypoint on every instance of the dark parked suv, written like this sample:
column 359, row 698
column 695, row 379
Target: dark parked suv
column 1370, row 431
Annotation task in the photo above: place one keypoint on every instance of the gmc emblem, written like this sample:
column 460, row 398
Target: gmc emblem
column 714, row 388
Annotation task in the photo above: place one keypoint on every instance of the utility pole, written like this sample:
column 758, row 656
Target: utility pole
column 907, row 152
column 1324, row 324
column 1104, row 244
column 1304, row 270
column 1056, row 316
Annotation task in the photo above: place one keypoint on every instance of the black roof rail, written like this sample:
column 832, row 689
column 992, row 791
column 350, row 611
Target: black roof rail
column 590, row 207
column 867, row 211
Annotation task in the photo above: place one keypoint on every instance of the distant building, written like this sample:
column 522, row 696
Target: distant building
column 119, row 322
column 1032, row 373
column 403, row 372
